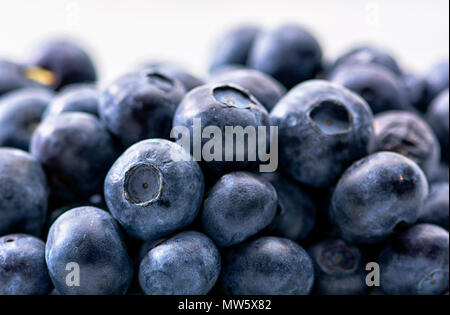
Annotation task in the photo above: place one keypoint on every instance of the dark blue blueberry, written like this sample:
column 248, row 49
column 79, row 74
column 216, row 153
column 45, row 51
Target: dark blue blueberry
column 23, row 193
column 437, row 79
column 222, row 105
column 76, row 151
column 238, row 206
column 233, row 48
column 408, row 134
column 140, row 105
column 267, row 265
column 265, row 88
column 416, row 87
column 20, row 113
column 67, row 62
column 154, row 189
column 75, row 98
column 322, row 129
column 416, row 262
column 435, row 209
column 437, row 116
column 90, row 238
column 22, row 266
column 288, row 53
column 381, row 89
column 377, row 196
column 14, row 76
column 338, row 268
column 187, row 263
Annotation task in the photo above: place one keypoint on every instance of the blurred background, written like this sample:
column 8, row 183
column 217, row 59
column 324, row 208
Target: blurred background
column 121, row 34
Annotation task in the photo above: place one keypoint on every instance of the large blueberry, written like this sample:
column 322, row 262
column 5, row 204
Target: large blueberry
column 76, row 151
column 408, row 134
column 435, row 209
column 322, row 129
column 437, row 116
column 381, row 89
column 140, row 105
column 376, row 196
column 339, row 269
column 267, row 265
column 20, row 113
column 437, row 78
column 289, row 53
column 266, row 89
column 153, row 189
column 187, row 263
column 75, row 98
column 416, row 262
column 238, row 206
column 23, row 193
column 22, row 266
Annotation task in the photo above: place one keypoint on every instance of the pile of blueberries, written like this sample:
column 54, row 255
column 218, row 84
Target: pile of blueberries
column 96, row 197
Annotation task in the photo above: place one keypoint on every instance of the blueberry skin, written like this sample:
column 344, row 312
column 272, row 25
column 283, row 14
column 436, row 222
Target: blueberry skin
column 154, row 189
column 441, row 174
column 381, row 89
column 185, row 264
column 416, row 262
column 22, row 266
column 437, row 78
column 408, row 134
column 23, row 193
column 267, row 266
column 435, row 209
column 288, row 53
column 20, row 113
column 416, row 87
column 91, row 238
column 238, row 206
column 13, row 77
column 75, row 98
column 266, row 89
column 377, row 195
column 233, row 48
column 140, row 105
column 322, row 129
column 67, row 61
column 76, row 152
column 437, row 116
column 222, row 105
column 338, row 268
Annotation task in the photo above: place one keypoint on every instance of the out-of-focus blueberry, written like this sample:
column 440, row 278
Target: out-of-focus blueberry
column 75, row 98
column 376, row 196
column 88, row 243
column 416, row 87
column 14, row 76
column 416, row 262
column 441, row 174
column 155, row 188
column 437, row 78
column 267, row 265
column 437, row 116
column 322, row 129
column 288, row 53
column 435, row 210
column 187, row 263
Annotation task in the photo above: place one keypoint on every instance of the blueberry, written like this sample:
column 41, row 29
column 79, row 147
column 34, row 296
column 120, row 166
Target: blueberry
column 14, row 76
column 408, row 134
column 187, row 263
column 22, row 266
column 23, row 193
column 437, row 78
column 238, row 206
column 75, row 98
column 376, row 196
column 267, row 266
column 437, row 116
column 90, row 238
column 416, row 262
column 76, row 151
column 265, row 88
column 441, row 174
column 154, row 189
column 322, row 128
column 288, row 53
column 338, row 268
column 435, row 209
column 68, row 62
column 20, row 113
column 140, row 105
column 416, row 87
column 222, row 105
column 233, row 48
column 381, row 89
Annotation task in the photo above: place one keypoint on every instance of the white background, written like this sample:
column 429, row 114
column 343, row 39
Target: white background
column 122, row 33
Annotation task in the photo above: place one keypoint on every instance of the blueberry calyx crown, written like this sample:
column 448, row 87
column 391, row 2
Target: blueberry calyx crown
column 233, row 97
column 331, row 117
column 143, row 184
